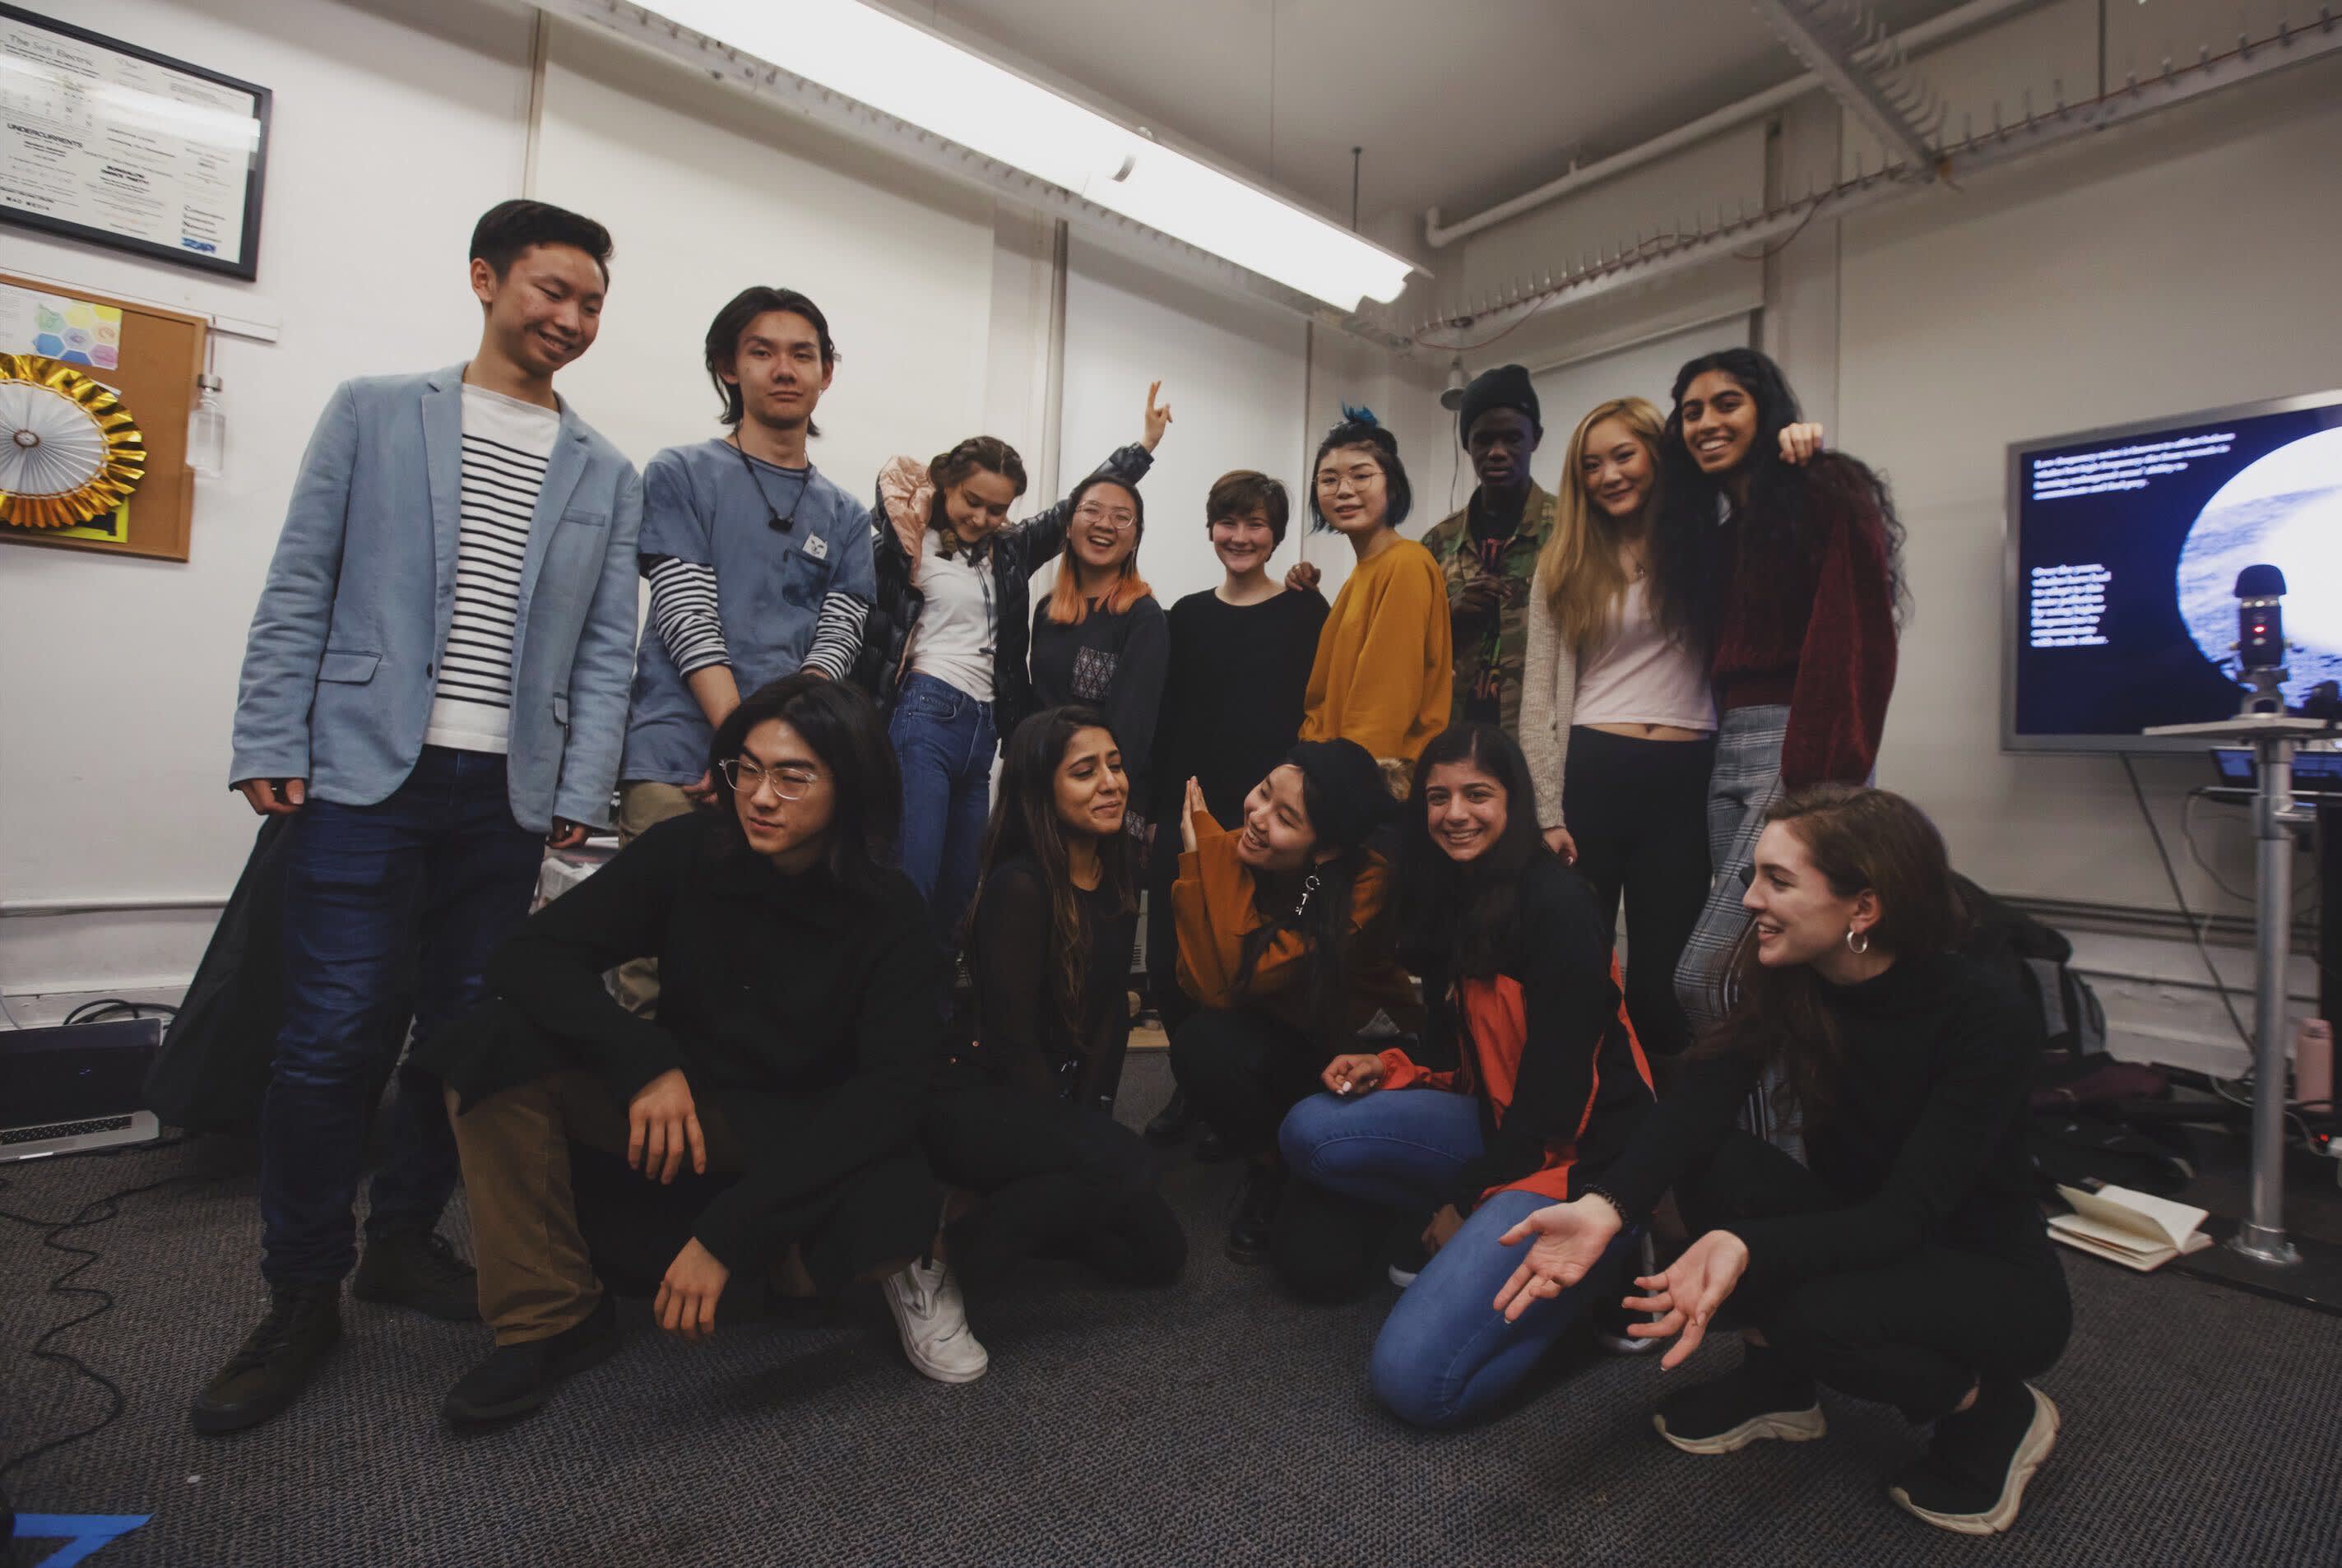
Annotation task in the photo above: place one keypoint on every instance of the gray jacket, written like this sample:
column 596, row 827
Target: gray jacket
column 341, row 663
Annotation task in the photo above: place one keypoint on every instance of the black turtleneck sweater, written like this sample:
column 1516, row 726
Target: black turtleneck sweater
column 1924, row 1141
column 808, row 1015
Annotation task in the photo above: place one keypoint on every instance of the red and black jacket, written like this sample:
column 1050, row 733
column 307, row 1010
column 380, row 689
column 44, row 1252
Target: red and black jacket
column 1542, row 1041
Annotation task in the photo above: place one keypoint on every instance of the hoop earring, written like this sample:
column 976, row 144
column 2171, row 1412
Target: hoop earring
column 1853, row 937
column 1309, row 884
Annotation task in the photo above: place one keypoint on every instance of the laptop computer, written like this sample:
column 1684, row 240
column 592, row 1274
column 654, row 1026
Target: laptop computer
column 69, row 1087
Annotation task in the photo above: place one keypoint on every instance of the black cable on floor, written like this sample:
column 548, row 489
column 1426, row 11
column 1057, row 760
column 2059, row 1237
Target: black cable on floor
column 98, row 1211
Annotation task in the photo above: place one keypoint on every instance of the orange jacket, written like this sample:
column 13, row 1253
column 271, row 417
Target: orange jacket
column 1212, row 906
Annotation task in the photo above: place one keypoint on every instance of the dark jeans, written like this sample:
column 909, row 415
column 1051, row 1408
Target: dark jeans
column 1243, row 1071
column 1916, row 1334
column 1172, row 1003
column 440, row 863
column 945, row 740
column 1638, row 811
column 1056, row 1180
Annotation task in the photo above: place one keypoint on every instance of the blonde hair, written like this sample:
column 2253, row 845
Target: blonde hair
column 1578, row 572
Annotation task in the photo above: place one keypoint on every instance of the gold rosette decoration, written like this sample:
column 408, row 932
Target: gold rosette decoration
column 69, row 452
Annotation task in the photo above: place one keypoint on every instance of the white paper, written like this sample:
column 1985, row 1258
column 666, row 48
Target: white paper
column 92, row 136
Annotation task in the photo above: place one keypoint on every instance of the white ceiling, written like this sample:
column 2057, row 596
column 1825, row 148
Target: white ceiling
column 1460, row 103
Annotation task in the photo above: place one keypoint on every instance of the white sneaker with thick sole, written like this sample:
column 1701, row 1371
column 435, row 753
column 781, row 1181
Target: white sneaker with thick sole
column 933, row 1319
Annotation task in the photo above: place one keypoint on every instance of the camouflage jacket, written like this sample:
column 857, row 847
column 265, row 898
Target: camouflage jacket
column 1489, row 655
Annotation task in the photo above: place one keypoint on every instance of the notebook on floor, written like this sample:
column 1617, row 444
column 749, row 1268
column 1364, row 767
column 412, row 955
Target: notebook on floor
column 64, row 1088
column 2136, row 1230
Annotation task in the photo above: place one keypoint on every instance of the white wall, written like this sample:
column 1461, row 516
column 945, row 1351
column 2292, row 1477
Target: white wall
column 707, row 192
column 1232, row 370
column 394, row 128
column 2184, row 263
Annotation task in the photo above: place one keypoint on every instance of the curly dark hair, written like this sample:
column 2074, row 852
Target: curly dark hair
column 1788, row 518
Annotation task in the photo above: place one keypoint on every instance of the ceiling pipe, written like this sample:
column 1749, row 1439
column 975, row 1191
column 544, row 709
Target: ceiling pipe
column 1959, row 19
column 2007, row 142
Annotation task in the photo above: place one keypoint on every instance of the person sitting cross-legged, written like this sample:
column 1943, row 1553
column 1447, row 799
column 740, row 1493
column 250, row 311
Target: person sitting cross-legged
column 799, row 1027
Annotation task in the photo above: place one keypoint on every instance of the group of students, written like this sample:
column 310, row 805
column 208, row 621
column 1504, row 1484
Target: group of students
column 1385, row 844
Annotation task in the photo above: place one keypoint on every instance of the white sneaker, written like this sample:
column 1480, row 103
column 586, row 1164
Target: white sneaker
column 933, row 1317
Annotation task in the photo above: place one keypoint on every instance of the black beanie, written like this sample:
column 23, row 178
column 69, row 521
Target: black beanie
column 1504, row 387
column 1352, row 798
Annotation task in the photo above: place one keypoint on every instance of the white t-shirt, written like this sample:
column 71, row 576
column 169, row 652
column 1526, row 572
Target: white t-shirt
column 507, row 444
column 954, row 638
column 1638, row 675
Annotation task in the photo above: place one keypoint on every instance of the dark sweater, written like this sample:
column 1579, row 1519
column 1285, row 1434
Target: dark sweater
column 1231, row 703
column 1022, row 1036
column 808, row 1017
column 1547, row 1046
column 1821, row 641
column 1113, row 662
column 1924, row 1140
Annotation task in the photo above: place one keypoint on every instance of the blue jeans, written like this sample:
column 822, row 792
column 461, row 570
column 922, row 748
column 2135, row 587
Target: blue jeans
column 385, row 904
column 1445, row 1355
column 945, row 740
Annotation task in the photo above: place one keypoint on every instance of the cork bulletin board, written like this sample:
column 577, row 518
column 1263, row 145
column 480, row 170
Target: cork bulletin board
column 155, row 356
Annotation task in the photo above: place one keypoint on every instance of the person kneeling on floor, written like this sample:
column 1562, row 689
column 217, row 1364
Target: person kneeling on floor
column 1551, row 1085
column 1910, row 1264
column 1021, row 1121
column 797, row 1029
column 1285, row 944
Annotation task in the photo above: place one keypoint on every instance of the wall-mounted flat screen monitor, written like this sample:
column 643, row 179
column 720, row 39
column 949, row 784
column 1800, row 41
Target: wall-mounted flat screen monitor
column 2124, row 547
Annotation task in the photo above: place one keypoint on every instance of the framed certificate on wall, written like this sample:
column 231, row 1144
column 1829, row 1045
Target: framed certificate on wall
column 104, row 141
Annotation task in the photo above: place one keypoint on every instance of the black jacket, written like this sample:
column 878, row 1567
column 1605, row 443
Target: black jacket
column 809, row 1016
column 1017, row 551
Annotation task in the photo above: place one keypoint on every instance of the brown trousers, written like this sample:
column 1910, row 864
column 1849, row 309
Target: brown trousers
column 536, row 1278
column 643, row 805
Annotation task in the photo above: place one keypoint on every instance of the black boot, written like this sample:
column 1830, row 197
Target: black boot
column 418, row 1269
column 1173, row 1123
column 515, row 1379
column 274, row 1364
column 1255, row 1212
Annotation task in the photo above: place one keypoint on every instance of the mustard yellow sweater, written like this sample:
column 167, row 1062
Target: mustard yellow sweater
column 1384, row 673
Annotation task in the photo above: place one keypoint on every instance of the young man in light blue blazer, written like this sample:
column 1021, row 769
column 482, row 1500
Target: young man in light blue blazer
column 434, row 689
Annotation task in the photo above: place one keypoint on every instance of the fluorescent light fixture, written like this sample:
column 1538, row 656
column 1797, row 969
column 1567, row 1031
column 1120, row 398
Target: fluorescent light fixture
column 900, row 70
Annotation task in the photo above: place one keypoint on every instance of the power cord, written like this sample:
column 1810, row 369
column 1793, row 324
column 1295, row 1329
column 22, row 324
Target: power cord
column 96, row 1211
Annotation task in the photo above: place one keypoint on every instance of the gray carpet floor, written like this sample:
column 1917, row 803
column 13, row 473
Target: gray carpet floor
column 1213, row 1423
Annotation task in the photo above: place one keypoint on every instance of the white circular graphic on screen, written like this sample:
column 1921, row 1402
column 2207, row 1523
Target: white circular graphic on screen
column 2284, row 510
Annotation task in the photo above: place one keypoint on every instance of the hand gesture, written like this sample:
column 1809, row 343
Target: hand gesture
column 1558, row 840
column 1357, row 1073
column 1800, row 443
column 1158, row 417
column 1478, row 600
column 1188, row 811
column 660, row 1121
column 685, row 1304
column 1302, row 578
column 1569, row 1240
column 1689, row 1293
column 274, row 797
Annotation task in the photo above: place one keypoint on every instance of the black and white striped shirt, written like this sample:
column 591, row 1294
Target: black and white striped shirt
column 684, row 608
column 507, row 444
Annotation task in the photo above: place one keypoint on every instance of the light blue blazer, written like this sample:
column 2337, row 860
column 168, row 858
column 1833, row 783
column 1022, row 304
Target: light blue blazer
column 340, row 665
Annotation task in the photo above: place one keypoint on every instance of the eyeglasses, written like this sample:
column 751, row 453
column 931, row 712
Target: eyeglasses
column 1122, row 520
column 746, row 776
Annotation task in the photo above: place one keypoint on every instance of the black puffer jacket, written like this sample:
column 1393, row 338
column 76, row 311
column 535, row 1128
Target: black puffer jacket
column 1017, row 551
